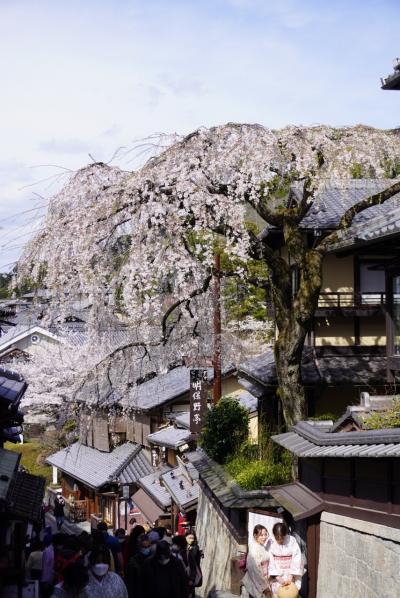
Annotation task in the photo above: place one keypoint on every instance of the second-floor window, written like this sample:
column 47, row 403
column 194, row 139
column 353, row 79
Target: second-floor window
column 396, row 313
column 372, row 284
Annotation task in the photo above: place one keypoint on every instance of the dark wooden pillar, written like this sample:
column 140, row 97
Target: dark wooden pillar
column 313, row 539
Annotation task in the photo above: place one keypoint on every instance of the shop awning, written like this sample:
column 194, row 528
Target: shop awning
column 298, row 500
column 148, row 507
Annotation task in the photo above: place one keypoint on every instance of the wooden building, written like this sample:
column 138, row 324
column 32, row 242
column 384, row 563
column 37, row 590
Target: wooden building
column 345, row 351
column 12, row 389
column 21, row 498
column 153, row 403
column 348, row 494
column 98, row 485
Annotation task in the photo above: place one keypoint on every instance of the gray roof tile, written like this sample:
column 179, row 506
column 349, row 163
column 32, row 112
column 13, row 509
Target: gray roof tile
column 126, row 464
column 8, row 464
column 377, row 229
column 25, row 496
column 333, row 368
column 171, row 437
column 152, row 486
column 337, row 197
column 224, row 488
column 166, row 387
column 185, row 493
column 12, row 386
column 306, row 441
column 183, row 420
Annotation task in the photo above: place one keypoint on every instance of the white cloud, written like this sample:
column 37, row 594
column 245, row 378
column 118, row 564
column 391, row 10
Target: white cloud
column 91, row 77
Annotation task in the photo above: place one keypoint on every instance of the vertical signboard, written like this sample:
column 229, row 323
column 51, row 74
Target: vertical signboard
column 198, row 399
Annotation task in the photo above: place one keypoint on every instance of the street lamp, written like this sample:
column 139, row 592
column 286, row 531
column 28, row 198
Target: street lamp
column 392, row 81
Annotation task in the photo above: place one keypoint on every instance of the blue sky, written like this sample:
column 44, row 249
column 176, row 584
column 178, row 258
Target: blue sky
column 88, row 77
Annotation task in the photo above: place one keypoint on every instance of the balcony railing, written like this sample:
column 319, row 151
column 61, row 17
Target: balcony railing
column 363, row 300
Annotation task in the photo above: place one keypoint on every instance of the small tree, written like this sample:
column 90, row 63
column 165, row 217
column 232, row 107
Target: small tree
column 225, row 429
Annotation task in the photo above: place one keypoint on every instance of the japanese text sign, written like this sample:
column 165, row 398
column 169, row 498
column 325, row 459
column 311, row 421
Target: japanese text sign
column 198, row 399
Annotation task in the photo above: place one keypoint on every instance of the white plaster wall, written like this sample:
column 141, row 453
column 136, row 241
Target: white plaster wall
column 358, row 559
column 218, row 545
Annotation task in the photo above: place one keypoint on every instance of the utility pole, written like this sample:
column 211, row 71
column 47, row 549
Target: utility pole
column 217, row 387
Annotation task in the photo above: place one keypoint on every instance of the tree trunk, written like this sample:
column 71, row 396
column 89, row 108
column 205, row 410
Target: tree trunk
column 291, row 391
column 294, row 313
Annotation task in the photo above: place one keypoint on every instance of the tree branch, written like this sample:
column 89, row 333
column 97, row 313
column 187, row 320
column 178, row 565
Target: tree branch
column 348, row 217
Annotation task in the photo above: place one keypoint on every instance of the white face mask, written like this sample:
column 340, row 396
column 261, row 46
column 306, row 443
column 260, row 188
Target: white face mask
column 100, row 569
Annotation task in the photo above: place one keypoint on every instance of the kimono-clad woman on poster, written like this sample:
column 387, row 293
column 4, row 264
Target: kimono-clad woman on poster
column 285, row 565
column 255, row 580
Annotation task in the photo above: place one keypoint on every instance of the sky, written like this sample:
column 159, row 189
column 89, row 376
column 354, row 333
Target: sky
column 80, row 78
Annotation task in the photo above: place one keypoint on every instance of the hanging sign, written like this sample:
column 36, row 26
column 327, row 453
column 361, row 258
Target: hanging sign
column 198, row 399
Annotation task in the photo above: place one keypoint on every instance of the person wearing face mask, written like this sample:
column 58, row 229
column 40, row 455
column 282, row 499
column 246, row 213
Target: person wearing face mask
column 163, row 575
column 179, row 550
column 103, row 583
column 134, row 569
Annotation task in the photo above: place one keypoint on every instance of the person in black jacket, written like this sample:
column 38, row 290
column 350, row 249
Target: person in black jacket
column 134, row 567
column 59, row 504
column 163, row 575
column 193, row 555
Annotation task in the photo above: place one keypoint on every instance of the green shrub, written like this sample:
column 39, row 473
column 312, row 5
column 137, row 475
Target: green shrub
column 69, row 426
column 225, row 429
column 323, row 417
column 33, row 454
column 390, row 418
column 253, row 475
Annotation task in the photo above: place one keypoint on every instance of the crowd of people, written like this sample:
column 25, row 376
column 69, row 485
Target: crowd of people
column 147, row 562
column 274, row 566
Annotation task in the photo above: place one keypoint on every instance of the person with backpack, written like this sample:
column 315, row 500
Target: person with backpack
column 59, row 504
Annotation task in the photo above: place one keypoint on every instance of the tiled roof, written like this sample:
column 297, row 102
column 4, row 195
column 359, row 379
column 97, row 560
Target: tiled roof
column 248, row 401
column 377, row 229
column 25, row 496
column 183, row 420
column 184, row 493
column 308, row 441
column 324, row 364
column 21, row 331
column 126, row 464
column 8, row 464
column 12, row 386
column 224, row 488
column 299, row 500
column 336, row 198
column 166, row 387
column 152, row 486
column 170, row 437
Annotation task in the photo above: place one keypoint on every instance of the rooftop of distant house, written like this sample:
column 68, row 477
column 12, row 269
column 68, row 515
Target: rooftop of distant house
column 392, row 81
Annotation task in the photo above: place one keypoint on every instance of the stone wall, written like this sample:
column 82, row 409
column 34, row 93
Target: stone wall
column 358, row 559
column 218, row 545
